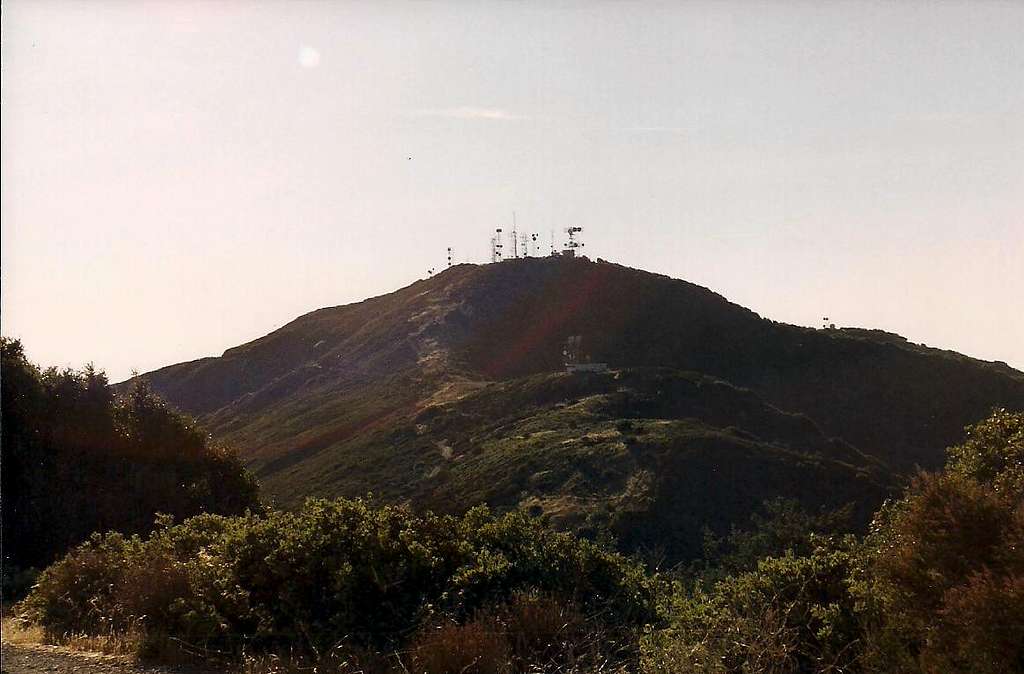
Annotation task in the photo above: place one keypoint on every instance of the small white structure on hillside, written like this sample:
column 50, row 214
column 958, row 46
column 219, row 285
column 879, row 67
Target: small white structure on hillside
column 578, row 361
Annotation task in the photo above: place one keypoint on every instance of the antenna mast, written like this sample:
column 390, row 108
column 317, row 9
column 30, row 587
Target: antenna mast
column 515, row 237
column 449, row 257
column 496, row 246
column 573, row 244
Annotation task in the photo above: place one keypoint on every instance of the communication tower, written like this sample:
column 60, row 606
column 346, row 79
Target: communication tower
column 449, row 257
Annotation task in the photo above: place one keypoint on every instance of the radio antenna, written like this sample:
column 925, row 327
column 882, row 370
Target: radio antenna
column 496, row 246
column 573, row 243
column 515, row 237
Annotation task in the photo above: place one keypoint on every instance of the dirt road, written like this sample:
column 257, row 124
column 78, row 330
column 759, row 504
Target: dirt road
column 35, row 659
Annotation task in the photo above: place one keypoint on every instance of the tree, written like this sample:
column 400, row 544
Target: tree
column 76, row 459
column 944, row 566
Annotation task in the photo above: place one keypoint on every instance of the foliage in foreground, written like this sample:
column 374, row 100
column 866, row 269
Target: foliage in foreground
column 78, row 460
column 791, row 614
column 937, row 586
column 943, row 570
column 333, row 572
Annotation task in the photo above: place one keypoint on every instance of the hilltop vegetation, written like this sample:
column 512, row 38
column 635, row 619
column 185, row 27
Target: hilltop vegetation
column 77, row 460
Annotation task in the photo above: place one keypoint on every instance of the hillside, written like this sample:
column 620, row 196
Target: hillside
column 650, row 455
column 324, row 405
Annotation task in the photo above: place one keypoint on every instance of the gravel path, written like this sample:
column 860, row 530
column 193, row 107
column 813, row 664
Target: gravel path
column 33, row 659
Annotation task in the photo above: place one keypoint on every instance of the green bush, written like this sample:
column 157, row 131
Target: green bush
column 782, row 527
column 942, row 578
column 791, row 614
column 334, row 571
column 937, row 586
column 78, row 593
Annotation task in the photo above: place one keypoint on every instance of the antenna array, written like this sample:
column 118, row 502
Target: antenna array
column 573, row 244
column 527, row 244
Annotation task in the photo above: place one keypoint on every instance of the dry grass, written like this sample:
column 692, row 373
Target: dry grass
column 339, row 661
column 478, row 647
column 108, row 644
column 530, row 634
column 16, row 632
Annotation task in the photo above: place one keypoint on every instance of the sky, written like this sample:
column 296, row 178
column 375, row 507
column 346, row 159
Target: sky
column 179, row 178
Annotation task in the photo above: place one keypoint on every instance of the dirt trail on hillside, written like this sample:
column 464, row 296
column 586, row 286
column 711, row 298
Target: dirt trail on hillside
column 37, row 659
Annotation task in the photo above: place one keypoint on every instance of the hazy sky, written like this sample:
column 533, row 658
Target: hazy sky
column 179, row 178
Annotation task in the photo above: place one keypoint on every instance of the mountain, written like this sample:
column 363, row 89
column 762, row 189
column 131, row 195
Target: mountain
column 452, row 391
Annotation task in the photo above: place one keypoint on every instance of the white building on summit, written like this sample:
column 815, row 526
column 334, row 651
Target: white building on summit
column 578, row 361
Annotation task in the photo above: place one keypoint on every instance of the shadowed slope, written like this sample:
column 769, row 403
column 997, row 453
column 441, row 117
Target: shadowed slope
column 650, row 455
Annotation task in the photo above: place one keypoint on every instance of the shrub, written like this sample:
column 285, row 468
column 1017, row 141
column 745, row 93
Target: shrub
column 937, row 585
column 77, row 594
column 792, row 614
column 943, row 574
column 993, row 453
column 334, row 571
column 784, row 527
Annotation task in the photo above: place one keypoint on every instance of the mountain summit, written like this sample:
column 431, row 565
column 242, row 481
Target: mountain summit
column 453, row 390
